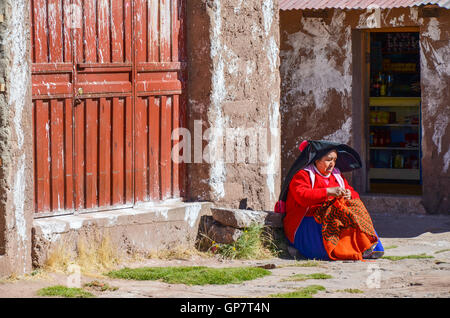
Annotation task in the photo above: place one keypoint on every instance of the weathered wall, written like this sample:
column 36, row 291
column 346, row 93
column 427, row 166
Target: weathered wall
column 316, row 91
column 16, row 139
column 234, row 88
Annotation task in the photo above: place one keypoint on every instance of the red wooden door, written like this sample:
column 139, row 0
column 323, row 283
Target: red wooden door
column 159, row 109
column 103, row 108
column 52, row 89
column 103, row 113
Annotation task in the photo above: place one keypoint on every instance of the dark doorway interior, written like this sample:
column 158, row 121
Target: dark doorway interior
column 394, row 112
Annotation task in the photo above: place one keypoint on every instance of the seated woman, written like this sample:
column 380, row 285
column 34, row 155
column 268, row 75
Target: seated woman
column 325, row 218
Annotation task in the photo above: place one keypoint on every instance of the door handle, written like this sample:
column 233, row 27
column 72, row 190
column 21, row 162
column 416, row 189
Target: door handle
column 78, row 93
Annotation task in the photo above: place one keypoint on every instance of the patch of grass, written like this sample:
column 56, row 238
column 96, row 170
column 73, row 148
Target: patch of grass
column 398, row 258
column 96, row 285
column 442, row 251
column 390, row 247
column 302, row 277
column 309, row 263
column 64, row 291
column 254, row 243
column 305, row 292
column 350, row 290
column 192, row 275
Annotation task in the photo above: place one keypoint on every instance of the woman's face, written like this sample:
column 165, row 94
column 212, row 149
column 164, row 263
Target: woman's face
column 326, row 164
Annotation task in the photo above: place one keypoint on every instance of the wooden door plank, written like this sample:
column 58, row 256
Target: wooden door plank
column 165, row 31
column 104, row 194
column 153, row 31
column 128, row 31
column 79, row 157
column 42, row 155
column 140, row 156
column 118, row 163
column 175, row 164
column 90, row 32
column 55, row 31
column 154, row 151
column 175, row 29
column 141, row 30
column 40, row 32
column 166, row 146
column 103, row 32
column 129, row 165
column 68, row 158
column 91, row 148
column 57, row 154
column 67, row 34
column 117, row 32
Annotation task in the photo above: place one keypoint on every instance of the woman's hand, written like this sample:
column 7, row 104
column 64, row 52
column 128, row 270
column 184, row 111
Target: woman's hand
column 336, row 192
column 348, row 194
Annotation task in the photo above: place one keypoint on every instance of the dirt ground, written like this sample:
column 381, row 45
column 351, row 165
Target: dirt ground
column 401, row 234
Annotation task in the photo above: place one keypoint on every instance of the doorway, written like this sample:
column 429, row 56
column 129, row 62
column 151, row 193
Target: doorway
column 394, row 113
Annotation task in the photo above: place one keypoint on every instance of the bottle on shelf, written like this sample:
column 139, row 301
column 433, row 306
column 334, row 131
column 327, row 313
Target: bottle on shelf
column 388, row 138
column 389, row 84
column 414, row 162
column 398, row 160
column 376, row 87
column 375, row 138
column 381, row 139
column 382, row 85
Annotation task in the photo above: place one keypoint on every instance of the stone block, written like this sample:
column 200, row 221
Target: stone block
column 142, row 229
column 239, row 218
column 224, row 234
column 387, row 203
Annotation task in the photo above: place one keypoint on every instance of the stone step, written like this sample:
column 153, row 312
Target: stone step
column 395, row 204
column 142, row 229
column 239, row 218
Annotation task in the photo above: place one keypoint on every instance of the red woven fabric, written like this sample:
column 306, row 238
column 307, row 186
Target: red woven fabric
column 347, row 228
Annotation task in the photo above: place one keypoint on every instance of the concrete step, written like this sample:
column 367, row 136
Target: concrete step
column 395, row 204
column 142, row 229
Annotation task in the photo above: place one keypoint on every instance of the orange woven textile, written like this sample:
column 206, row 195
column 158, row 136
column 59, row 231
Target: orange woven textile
column 347, row 228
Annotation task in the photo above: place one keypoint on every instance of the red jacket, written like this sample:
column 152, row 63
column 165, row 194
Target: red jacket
column 303, row 200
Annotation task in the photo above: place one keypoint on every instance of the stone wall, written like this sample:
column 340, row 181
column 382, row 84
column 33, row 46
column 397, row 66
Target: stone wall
column 16, row 139
column 233, row 89
column 318, row 86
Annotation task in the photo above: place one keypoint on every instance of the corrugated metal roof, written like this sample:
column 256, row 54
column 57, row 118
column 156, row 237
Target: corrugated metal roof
column 357, row 4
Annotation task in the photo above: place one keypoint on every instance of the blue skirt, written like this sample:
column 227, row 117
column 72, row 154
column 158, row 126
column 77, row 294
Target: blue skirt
column 308, row 241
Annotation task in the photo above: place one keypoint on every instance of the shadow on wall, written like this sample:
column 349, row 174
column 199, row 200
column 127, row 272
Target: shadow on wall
column 409, row 225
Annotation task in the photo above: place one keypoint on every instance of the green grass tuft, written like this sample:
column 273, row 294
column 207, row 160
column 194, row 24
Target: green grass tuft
column 195, row 275
column 442, row 251
column 302, row 277
column 305, row 292
column 390, row 247
column 254, row 243
column 350, row 290
column 398, row 258
column 64, row 291
column 310, row 263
